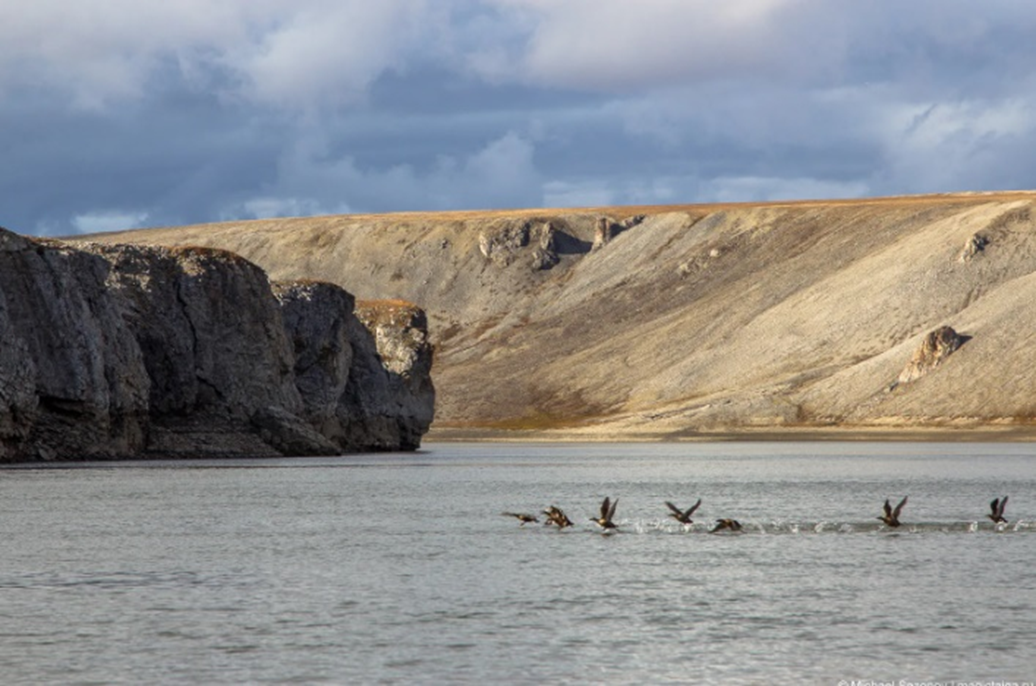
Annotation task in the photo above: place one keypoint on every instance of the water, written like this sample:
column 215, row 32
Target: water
column 400, row 569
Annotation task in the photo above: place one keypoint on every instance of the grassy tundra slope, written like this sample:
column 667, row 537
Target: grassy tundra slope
column 682, row 321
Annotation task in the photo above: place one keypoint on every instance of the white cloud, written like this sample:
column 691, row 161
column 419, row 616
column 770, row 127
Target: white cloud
column 297, row 54
column 108, row 220
column 747, row 188
column 617, row 45
column 329, row 51
column 965, row 145
column 443, row 104
column 99, row 52
column 500, row 174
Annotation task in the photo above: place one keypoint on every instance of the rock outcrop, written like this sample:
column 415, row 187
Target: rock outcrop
column 500, row 244
column 933, row 351
column 391, row 373
column 365, row 377
column 72, row 377
column 114, row 351
column 503, row 244
column 974, row 245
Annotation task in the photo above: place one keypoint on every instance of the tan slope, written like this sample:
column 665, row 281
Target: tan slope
column 696, row 318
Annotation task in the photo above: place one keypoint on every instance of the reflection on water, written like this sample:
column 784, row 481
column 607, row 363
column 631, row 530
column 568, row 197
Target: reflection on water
column 399, row 568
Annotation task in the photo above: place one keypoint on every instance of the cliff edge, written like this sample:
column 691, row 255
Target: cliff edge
column 115, row 351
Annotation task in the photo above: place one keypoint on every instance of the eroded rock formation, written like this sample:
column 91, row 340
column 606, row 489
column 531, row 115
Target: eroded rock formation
column 503, row 244
column 114, row 351
column 391, row 373
column 364, row 377
column 72, row 376
column 974, row 245
column 933, row 351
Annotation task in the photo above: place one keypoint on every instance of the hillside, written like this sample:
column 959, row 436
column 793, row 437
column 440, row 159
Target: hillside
column 683, row 321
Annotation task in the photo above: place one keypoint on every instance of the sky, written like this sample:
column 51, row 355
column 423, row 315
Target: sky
column 117, row 114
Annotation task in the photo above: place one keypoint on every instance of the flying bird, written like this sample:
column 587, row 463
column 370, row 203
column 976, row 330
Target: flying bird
column 607, row 513
column 521, row 517
column 891, row 517
column 683, row 516
column 726, row 525
column 557, row 517
column 997, row 507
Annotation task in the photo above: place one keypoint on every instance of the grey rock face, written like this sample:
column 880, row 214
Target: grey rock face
column 289, row 434
column 73, row 379
column 365, row 384
column 501, row 244
column 545, row 255
column 605, row 229
column 603, row 232
column 390, row 392
column 316, row 317
column 122, row 351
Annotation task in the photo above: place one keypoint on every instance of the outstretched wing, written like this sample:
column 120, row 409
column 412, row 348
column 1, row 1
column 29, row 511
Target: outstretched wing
column 888, row 508
column 693, row 508
column 604, row 507
column 1003, row 506
column 899, row 508
column 674, row 508
column 611, row 510
column 994, row 506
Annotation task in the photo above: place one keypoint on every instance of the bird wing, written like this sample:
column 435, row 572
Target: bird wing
column 1003, row 506
column 895, row 513
column 694, row 507
column 888, row 508
column 994, row 506
column 604, row 507
column 611, row 510
column 674, row 508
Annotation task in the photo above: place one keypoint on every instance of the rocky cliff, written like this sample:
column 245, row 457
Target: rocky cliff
column 117, row 351
column 686, row 321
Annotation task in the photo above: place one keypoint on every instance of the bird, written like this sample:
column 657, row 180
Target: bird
column 726, row 524
column 683, row 516
column 997, row 507
column 557, row 517
column 521, row 517
column 607, row 512
column 891, row 517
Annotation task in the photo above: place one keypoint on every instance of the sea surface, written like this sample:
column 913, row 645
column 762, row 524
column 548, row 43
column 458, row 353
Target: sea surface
column 400, row 568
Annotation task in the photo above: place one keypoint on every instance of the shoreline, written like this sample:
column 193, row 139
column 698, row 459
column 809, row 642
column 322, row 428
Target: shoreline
column 989, row 434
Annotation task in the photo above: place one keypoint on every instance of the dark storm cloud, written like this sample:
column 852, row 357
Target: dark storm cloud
column 136, row 112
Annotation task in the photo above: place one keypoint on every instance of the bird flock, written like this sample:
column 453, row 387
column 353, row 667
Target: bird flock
column 555, row 516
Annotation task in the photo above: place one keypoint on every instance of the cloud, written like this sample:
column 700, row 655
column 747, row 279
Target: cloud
column 964, row 145
column 618, row 46
column 328, row 52
column 748, row 188
column 297, row 55
column 96, row 53
column 185, row 112
column 108, row 221
column 502, row 173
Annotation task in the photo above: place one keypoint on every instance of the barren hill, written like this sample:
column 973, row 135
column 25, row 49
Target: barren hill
column 690, row 320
